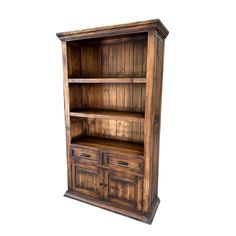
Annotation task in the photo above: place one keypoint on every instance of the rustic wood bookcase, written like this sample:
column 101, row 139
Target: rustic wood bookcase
column 112, row 93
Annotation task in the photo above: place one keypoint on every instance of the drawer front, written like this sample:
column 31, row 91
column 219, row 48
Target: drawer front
column 86, row 155
column 125, row 162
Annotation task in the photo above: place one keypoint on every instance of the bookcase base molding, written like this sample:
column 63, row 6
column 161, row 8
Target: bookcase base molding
column 146, row 217
column 112, row 97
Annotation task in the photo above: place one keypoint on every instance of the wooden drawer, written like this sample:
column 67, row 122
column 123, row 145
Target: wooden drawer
column 86, row 155
column 125, row 162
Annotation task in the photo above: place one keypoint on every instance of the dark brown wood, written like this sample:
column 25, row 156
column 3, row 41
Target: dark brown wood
column 113, row 115
column 86, row 179
column 108, row 80
column 84, row 155
column 93, row 58
column 112, row 93
column 124, row 162
column 122, row 189
column 132, row 213
column 157, row 87
column 150, row 97
column 107, row 97
column 134, row 27
column 67, row 110
column 109, row 144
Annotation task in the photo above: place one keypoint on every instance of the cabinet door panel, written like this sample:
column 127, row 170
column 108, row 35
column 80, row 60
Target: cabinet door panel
column 123, row 189
column 86, row 179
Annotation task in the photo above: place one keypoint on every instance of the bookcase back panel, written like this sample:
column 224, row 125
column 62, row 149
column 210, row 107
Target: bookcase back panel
column 124, row 56
column 116, row 129
column 117, row 97
column 113, row 129
column 77, row 127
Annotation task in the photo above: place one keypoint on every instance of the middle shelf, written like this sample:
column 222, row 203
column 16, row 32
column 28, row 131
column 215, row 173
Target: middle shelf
column 108, row 80
column 105, row 114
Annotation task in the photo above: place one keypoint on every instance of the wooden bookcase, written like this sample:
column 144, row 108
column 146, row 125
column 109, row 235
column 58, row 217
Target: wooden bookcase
column 112, row 93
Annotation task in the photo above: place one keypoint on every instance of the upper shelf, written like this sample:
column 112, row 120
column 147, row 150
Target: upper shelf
column 108, row 80
column 113, row 115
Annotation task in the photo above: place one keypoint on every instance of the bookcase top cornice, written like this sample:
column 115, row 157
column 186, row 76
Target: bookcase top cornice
column 113, row 30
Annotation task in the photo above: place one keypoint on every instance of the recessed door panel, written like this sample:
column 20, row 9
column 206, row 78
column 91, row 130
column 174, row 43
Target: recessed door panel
column 86, row 179
column 123, row 189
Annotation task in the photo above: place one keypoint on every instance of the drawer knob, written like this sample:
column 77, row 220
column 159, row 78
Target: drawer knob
column 122, row 163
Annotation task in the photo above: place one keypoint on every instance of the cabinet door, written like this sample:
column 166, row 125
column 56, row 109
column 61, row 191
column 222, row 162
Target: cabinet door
column 123, row 189
column 86, row 179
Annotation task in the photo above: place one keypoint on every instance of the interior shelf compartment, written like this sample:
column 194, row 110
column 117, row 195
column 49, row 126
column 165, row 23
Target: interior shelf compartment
column 119, row 130
column 121, row 57
column 122, row 97
column 110, row 145
column 113, row 115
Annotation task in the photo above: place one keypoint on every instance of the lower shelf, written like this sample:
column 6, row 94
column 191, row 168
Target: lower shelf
column 137, row 215
column 110, row 144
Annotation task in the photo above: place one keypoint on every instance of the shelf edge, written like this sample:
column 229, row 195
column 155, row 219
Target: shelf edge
column 107, row 80
column 82, row 114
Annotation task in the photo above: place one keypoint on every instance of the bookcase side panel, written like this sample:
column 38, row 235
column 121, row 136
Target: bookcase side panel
column 157, row 87
column 66, row 108
column 148, row 128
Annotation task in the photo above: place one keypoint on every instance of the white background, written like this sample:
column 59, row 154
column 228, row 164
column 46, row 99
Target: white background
column 198, row 138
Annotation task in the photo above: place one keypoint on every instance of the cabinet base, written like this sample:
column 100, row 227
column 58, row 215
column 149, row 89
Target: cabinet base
column 137, row 215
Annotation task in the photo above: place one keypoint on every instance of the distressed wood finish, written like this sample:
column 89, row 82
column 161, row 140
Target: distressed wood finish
column 86, row 179
column 112, row 93
column 113, row 115
column 123, row 57
column 107, row 97
column 108, row 80
column 151, row 54
column 67, row 110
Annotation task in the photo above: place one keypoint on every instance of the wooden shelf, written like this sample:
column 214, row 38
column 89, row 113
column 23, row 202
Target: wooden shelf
column 112, row 115
column 110, row 145
column 107, row 80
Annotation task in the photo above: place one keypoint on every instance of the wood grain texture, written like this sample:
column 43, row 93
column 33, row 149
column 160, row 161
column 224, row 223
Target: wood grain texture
column 151, row 55
column 135, row 214
column 107, row 97
column 124, row 162
column 122, row 189
column 111, row 145
column 112, row 93
column 77, row 127
column 135, row 27
column 121, row 130
column 67, row 111
column 86, row 179
column 90, row 59
column 108, row 80
column 157, row 88
column 112, row 115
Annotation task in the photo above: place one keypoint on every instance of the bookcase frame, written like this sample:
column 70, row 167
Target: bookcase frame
column 112, row 96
